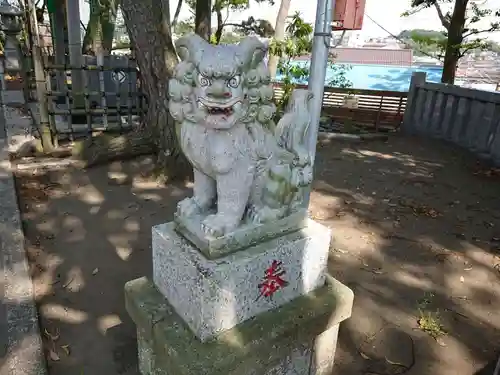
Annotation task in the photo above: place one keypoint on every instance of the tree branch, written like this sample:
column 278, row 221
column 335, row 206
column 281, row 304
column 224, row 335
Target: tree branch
column 476, row 32
column 247, row 28
column 469, row 47
column 444, row 20
column 464, row 51
column 177, row 12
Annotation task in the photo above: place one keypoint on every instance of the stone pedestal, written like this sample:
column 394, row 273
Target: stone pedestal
column 212, row 316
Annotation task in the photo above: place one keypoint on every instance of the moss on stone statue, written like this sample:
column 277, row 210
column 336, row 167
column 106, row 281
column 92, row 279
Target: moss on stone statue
column 256, row 343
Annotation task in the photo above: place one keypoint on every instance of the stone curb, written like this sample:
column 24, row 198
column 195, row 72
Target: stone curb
column 19, row 328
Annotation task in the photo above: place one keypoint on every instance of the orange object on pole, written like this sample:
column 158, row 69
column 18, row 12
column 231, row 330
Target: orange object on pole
column 348, row 14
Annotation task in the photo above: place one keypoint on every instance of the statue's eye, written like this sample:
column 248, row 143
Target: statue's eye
column 203, row 81
column 234, row 82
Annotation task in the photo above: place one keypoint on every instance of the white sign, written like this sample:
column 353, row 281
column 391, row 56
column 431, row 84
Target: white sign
column 119, row 76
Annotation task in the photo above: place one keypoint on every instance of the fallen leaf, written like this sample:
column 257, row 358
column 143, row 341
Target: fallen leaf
column 440, row 341
column 94, row 272
column 66, row 284
column 52, row 337
column 54, row 356
column 393, row 362
column 66, row 349
column 364, row 356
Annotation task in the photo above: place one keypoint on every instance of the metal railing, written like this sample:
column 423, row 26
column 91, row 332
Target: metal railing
column 97, row 107
column 109, row 99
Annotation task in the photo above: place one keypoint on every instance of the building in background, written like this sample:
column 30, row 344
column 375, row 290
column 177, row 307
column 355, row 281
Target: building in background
column 370, row 56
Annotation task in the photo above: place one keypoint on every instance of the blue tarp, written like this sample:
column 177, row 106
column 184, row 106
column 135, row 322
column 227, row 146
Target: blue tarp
column 380, row 77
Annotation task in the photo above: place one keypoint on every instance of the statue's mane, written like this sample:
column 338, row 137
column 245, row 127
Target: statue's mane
column 256, row 81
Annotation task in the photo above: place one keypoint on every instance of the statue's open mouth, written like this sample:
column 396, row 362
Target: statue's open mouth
column 218, row 108
column 219, row 115
column 220, row 111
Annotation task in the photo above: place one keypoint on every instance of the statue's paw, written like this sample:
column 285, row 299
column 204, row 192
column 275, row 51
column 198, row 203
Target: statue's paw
column 188, row 207
column 256, row 215
column 264, row 214
column 218, row 225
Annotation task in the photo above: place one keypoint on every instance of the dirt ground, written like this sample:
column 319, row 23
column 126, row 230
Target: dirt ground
column 416, row 235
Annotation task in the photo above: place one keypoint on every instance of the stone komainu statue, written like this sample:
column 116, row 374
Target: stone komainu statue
column 246, row 168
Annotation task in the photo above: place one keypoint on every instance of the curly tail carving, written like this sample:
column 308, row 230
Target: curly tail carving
column 291, row 131
column 287, row 177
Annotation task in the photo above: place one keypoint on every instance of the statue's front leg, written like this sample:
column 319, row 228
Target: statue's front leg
column 204, row 192
column 233, row 191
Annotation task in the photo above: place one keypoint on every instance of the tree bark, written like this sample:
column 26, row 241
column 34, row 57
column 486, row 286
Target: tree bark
column 202, row 18
column 220, row 26
column 177, row 12
column 455, row 39
column 279, row 34
column 148, row 24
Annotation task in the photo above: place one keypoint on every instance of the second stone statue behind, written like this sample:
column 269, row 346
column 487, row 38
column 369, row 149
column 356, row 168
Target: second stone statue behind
column 247, row 170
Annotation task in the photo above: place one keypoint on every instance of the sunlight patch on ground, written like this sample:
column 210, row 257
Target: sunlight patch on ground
column 75, row 281
column 140, row 183
column 119, row 177
column 116, row 214
column 63, row 313
column 414, row 280
column 131, row 225
column 90, row 195
column 106, row 322
column 121, row 243
column 76, row 228
column 376, row 154
column 47, row 226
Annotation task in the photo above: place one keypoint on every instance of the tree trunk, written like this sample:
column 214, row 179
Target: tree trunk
column 220, row 26
column 455, row 39
column 92, row 25
column 279, row 34
column 102, row 16
column 148, row 23
column 202, row 18
column 177, row 12
column 108, row 23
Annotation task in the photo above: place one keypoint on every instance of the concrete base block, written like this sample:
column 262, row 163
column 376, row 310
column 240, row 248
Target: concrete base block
column 298, row 338
column 213, row 295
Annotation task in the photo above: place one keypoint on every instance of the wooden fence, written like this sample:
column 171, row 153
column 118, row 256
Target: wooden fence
column 382, row 110
column 467, row 117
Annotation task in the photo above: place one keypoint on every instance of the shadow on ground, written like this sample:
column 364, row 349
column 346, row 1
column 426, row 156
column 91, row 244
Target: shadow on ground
column 415, row 232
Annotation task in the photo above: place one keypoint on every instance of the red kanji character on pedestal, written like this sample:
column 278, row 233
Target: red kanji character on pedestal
column 273, row 280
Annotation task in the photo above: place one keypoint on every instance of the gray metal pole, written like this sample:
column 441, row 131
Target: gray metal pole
column 319, row 63
column 75, row 45
column 317, row 75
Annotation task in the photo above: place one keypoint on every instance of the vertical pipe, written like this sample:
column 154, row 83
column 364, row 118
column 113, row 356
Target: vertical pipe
column 319, row 62
column 317, row 75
